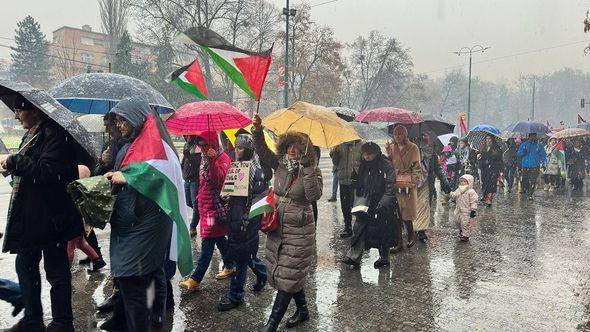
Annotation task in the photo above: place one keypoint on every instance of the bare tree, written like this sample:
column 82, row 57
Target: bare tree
column 113, row 15
column 65, row 63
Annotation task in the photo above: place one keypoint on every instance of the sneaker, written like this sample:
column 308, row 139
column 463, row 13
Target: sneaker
column 226, row 304
column 225, row 274
column 190, row 284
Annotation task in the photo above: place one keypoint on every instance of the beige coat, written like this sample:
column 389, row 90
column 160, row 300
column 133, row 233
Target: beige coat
column 406, row 162
column 290, row 249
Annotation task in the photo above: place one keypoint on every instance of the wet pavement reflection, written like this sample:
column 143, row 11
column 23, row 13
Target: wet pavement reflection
column 525, row 269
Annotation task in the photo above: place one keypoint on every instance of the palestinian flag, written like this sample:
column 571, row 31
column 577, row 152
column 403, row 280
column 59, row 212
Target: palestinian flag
column 152, row 168
column 190, row 79
column 560, row 152
column 265, row 204
column 247, row 69
column 463, row 127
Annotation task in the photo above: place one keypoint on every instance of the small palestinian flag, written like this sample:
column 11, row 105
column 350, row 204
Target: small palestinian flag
column 265, row 204
column 190, row 79
column 463, row 127
column 151, row 167
column 247, row 69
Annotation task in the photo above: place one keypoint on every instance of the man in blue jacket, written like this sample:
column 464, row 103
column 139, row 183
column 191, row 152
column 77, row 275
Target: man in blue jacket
column 533, row 157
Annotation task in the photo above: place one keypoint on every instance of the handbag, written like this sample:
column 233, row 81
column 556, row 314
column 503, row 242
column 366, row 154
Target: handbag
column 270, row 220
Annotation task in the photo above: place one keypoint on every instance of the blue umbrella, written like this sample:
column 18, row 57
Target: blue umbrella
column 477, row 135
column 486, row 128
column 528, row 127
column 97, row 93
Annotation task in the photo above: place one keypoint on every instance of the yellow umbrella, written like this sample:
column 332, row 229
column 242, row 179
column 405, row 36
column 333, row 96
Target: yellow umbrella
column 322, row 125
column 231, row 135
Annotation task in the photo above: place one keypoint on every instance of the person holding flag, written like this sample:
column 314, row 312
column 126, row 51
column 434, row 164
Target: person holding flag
column 150, row 220
column 243, row 227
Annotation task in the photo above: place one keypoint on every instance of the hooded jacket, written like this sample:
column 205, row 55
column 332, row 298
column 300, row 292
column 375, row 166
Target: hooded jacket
column 210, row 185
column 466, row 200
column 140, row 230
column 532, row 154
column 346, row 158
column 290, row 248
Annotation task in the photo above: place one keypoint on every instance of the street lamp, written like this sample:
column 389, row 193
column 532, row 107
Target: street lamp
column 470, row 51
column 288, row 12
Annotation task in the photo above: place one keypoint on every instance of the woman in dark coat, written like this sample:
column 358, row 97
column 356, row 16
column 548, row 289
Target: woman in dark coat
column 576, row 165
column 290, row 248
column 490, row 164
column 376, row 228
column 140, row 230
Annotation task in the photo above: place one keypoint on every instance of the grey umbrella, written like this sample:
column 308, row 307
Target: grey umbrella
column 369, row 133
column 345, row 113
column 97, row 93
column 87, row 148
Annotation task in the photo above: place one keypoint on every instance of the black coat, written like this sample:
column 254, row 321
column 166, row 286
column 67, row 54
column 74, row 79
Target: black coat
column 42, row 212
column 376, row 181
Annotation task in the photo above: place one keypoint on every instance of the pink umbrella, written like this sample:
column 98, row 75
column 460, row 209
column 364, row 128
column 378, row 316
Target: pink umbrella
column 390, row 114
column 193, row 118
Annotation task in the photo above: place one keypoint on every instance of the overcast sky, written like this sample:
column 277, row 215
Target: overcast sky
column 431, row 29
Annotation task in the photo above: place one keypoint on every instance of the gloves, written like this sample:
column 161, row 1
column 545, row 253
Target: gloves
column 472, row 214
column 305, row 162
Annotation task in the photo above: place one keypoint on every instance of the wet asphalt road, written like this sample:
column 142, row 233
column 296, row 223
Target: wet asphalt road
column 525, row 269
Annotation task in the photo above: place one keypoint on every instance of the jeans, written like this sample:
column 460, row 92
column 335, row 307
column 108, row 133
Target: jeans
column 334, row 184
column 207, row 247
column 238, row 280
column 191, row 189
column 509, row 175
column 57, row 271
column 529, row 180
column 10, row 292
column 346, row 201
column 135, row 299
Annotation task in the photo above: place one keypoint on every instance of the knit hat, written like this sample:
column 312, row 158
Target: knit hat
column 244, row 141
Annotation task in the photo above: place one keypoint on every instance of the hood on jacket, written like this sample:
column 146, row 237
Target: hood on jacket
column 469, row 179
column 302, row 142
column 133, row 110
column 211, row 138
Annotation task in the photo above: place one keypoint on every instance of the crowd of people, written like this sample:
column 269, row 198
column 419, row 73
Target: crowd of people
column 385, row 192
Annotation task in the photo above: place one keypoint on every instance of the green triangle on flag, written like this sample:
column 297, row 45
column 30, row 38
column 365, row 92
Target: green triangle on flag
column 190, row 79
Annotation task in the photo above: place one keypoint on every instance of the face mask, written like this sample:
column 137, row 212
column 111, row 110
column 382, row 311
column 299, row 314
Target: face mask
column 463, row 187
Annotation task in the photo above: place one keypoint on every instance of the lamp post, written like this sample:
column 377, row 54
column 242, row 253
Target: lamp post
column 470, row 51
column 288, row 13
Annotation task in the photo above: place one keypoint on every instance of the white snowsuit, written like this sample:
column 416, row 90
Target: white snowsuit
column 466, row 202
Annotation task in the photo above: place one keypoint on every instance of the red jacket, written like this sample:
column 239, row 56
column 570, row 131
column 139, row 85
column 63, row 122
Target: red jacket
column 217, row 169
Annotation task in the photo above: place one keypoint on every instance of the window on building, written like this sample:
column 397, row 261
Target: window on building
column 87, row 41
column 87, row 57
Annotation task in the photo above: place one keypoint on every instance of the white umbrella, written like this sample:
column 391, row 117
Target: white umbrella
column 446, row 138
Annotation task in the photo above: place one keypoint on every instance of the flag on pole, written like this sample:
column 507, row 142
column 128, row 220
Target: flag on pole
column 151, row 167
column 463, row 126
column 190, row 79
column 580, row 119
column 247, row 69
column 265, row 204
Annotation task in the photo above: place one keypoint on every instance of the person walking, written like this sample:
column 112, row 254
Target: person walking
column 467, row 159
column 191, row 163
column 375, row 228
column 510, row 159
column 555, row 165
column 213, row 214
column 405, row 158
column 42, row 217
column 140, row 229
column 466, row 209
column 490, row 164
column 346, row 158
column 242, row 234
column 576, row 165
column 290, row 248
column 533, row 157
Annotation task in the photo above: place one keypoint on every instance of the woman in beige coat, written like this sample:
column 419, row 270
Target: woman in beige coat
column 405, row 157
column 290, row 248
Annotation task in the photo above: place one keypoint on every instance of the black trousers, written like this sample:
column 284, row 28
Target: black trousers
column 57, row 272
column 346, row 200
column 134, row 293
column 93, row 242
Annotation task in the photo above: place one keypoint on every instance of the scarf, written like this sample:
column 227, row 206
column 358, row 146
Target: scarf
column 292, row 166
column 464, row 155
column 205, row 163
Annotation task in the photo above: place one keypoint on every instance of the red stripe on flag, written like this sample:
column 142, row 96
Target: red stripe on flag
column 147, row 146
column 195, row 76
column 270, row 199
column 254, row 69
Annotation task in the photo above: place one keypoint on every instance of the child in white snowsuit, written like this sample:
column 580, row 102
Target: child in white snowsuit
column 466, row 209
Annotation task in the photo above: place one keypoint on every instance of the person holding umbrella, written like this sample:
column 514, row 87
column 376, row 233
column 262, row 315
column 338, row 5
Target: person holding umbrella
column 490, row 164
column 290, row 248
column 41, row 216
column 533, row 157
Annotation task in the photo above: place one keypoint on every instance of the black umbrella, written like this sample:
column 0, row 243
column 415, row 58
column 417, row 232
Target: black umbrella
column 87, row 149
column 433, row 124
column 97, row 93
column 527, row 127
column 370, row 133
column 345, row 113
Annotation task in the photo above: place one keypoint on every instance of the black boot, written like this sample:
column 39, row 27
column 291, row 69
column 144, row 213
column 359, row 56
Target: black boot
column 301, row 314
column 108, row 304
column 85, row 261
column 347, row 232
column 411, row 235
column 117, row 322
column 97, row 264
column 278, row 311
column 169, row 296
